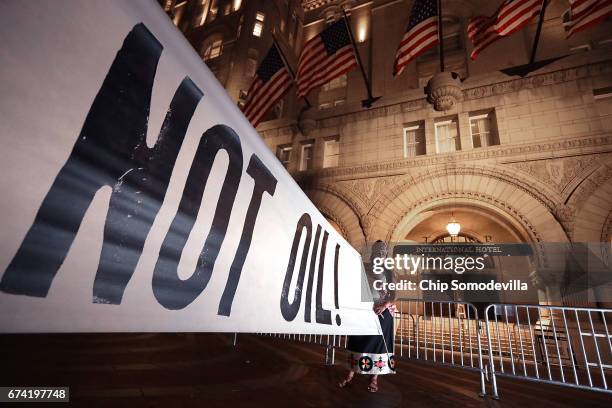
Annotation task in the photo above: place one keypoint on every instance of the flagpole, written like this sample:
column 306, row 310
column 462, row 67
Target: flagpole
column 536, row 40
column 532, row 65
column 366, row 103
column 282, row 54
column 440, row 36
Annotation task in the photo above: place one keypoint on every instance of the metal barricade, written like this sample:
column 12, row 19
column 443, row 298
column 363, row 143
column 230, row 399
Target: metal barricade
column 444, row 332
column 568, row 346
column 330, row 342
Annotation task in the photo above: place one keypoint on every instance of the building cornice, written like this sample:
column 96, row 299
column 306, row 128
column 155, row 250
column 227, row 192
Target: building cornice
column 500, row 154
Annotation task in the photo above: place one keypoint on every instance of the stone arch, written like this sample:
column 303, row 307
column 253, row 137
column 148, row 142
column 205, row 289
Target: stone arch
column 342, row 213
column 474, row 177
column 525, row 210
column 591, row 205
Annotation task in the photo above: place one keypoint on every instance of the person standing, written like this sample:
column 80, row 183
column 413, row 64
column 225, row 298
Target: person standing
column 373, row 355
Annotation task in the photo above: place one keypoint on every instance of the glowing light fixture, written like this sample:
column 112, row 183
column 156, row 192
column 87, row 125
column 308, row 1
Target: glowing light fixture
column 361, row 33
column 453, row 227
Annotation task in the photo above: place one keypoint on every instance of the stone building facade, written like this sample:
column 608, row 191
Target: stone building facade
column 517, row 159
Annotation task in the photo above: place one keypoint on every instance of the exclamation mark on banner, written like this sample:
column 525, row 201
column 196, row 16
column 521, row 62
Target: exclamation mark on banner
column 337, row 254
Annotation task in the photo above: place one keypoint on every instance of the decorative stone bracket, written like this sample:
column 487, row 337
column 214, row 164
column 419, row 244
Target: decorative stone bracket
column 444, row 90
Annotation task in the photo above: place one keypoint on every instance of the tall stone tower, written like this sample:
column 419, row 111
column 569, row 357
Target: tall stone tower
column 232, row 36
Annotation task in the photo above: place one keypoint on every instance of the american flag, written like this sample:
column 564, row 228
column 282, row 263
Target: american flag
column 586, row 13
column 421, row 34
column 325, row 57
column 272, row 81
column 511, row 16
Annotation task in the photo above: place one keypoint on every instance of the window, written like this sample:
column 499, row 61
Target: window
column 284, row 154
column 603, row 106
column 259, row 23
column 213, row 50
column 483, row 133
column 331, row 152
column 306, row 156
column 602, row 93
column 414, row 140
column 251, row 67
column 447, row 137
column 443, row 239
column 339, row 82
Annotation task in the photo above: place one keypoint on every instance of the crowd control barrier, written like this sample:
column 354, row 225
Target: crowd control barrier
column 568, row 346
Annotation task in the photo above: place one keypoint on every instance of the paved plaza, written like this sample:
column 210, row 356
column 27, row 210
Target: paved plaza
column 206, row 370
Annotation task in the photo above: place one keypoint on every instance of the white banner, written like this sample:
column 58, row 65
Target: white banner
column 137, row 197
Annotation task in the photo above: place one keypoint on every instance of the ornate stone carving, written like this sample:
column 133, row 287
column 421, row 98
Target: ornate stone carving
column 565, row 215
column 535, row 81
column 307, row 125
column 444, row 90
column 331, row 214
column 345, row 194
column 314, row 4
column 606, row 237
column 368, row 190
column 589, row 185
column 472, row 155
column 558, row 173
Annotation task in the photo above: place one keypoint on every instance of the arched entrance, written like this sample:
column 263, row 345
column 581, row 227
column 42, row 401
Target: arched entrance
column 479, row 224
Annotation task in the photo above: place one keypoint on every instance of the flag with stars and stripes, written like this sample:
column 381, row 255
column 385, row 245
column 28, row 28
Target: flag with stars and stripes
column 421, row 34
column 511, row 16
column 272, row 81
column 586, row 13
column 327, row 56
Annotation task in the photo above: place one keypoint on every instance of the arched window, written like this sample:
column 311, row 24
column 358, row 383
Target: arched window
column 461, row 238
column 464, row 239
